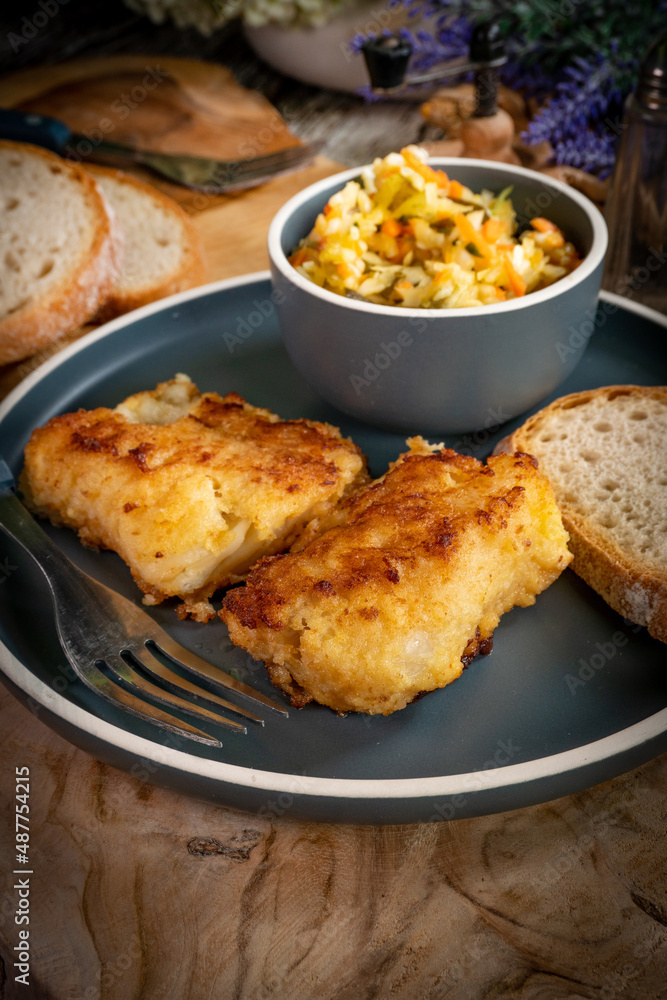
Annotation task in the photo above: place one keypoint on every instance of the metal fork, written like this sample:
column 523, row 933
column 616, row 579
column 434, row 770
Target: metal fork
column 214, row 176
column 106, row 637
column 199, row 172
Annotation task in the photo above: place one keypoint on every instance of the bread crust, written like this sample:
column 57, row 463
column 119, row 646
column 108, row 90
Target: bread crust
column 633, row 589
column 75, row 300
column 188, row 274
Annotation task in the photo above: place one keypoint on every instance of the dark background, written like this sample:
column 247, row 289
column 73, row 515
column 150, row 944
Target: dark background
column 349, row 130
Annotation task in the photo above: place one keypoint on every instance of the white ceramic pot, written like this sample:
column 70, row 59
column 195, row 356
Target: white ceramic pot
column 322, row 56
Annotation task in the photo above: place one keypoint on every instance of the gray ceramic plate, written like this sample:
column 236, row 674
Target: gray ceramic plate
column 570, row 696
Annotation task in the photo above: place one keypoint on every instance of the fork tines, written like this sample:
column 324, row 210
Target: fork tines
column 118, row 650
column 234, row 172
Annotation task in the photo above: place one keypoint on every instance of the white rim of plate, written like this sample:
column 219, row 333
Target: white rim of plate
column 443, row 786
column 592, row 259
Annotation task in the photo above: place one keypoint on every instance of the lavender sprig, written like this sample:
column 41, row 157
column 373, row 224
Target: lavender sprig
column 577, row 60
column 581, row 120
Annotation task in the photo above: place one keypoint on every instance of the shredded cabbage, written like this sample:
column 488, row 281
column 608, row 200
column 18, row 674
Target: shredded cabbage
column 406, row 235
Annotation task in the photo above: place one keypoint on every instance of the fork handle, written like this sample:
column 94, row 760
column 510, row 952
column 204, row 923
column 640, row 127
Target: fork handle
column 21, row 526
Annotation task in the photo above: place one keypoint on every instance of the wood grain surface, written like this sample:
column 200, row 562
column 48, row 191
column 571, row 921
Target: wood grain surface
column 141, row 894
column 156, row 103
column 165, row 105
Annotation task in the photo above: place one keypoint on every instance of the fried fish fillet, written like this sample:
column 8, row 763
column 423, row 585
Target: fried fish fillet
column 189, row 489
column 392, row 594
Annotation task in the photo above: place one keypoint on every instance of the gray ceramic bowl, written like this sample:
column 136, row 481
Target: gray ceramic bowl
column 441, row 370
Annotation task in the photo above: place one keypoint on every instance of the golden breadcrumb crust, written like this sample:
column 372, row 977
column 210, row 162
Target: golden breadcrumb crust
column 407, row 582
column 189, row 504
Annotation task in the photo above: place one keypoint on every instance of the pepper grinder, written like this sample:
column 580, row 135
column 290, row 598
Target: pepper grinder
column 489, row 132
column 636, row 212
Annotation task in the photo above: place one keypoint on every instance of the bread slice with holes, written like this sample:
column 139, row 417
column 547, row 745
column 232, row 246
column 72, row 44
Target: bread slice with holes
column 162, row 252
column 605, row 452
column 59, row 249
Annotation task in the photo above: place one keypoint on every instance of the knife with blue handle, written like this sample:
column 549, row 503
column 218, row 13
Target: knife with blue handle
column 40, row 130
column 198, row 172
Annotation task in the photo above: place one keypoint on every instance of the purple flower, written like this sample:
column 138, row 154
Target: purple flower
column 577, row 61
column 576, row 120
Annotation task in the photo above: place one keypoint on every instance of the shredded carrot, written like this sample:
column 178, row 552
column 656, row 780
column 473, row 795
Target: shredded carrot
column 345, row 271
column 553, row 241
column 391, row 227
column 408, row 235
column 298, row 258
column 423, row 169
column 517, row 284
column 402, row 247
column 493, row 229
column 470, row 235
column 543, row 225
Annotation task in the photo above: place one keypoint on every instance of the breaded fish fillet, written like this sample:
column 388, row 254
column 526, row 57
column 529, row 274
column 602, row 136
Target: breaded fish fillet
column 406, row 583
column 189, row 489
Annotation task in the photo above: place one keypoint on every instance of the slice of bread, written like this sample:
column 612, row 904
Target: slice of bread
column 605, row 452
column 162, row 252
column 58, row 249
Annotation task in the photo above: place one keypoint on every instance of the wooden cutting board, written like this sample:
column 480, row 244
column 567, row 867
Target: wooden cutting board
column 173, row 105
column 167, row 105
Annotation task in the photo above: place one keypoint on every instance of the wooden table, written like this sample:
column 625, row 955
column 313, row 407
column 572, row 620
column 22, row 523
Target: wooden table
column 140, row 894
